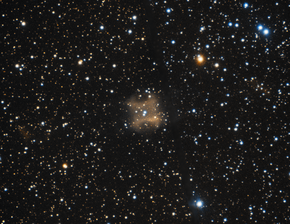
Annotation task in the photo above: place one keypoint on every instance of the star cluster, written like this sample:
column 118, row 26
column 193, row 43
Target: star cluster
column 82, row 142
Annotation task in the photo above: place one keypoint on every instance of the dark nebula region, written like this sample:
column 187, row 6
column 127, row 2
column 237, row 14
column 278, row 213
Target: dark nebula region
column 144, row 111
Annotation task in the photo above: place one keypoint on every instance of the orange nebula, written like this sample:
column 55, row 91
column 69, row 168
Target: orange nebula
column 145, row 113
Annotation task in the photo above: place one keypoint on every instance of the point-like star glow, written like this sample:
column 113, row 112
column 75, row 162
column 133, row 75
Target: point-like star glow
column 199, row 204
column 200, row 59
column 266, row 31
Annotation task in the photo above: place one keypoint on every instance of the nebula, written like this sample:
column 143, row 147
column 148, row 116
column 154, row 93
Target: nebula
column 145, row 112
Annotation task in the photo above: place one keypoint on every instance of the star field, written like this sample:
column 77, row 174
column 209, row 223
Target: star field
column 144, row 111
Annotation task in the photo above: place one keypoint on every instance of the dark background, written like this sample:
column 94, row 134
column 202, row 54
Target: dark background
column 67, row 69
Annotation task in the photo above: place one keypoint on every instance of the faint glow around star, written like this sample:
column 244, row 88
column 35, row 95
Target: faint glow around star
column 23, row 23
column 168, row 10
column 216, row 65
column 230, row 24
column 134, row 17
column 173, row 41
column 130, row 31
column 246, row 5
column 114, row 65
column 102, row 27
column 236, row 25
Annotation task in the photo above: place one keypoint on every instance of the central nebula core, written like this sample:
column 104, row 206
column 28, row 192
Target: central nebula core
column 145, row 112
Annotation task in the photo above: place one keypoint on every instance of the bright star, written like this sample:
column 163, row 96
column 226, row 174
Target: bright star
column 266, row 31
column 246, row 5
column 200, row 58
column 199, row 204
column 80, row 62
